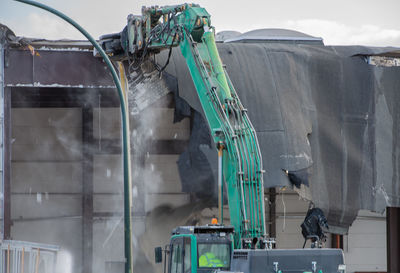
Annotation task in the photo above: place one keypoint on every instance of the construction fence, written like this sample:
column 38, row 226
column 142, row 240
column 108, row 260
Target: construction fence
column 27, row 257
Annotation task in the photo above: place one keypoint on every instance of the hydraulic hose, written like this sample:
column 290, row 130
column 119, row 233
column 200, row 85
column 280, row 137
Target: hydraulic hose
column 125, row 148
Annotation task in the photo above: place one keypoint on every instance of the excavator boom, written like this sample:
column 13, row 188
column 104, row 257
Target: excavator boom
column 189, row 27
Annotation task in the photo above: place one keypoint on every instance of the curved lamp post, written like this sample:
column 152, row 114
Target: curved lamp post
column 125, row 135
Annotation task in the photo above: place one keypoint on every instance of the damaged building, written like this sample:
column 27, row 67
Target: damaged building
column 329, row 115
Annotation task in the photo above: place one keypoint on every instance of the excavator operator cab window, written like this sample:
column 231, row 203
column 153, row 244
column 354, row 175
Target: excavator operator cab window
column 176, row 263
column 180, row 261
column 187, row 255
column 214, row 255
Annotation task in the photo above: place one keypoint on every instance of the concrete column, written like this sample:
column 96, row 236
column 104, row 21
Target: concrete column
column 6, row 124
column 87, row 188
column 393, row 239
column 272, row 212
column 5, row 153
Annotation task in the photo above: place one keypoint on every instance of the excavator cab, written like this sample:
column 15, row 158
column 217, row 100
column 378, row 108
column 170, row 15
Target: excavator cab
column 202, row 249
column 210, row 249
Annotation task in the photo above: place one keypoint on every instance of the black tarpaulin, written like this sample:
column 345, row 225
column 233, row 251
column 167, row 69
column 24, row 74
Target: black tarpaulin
column 314, row 107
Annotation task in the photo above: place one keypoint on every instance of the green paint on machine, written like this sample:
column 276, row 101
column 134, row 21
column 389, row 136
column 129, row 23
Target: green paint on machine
column 189, row 27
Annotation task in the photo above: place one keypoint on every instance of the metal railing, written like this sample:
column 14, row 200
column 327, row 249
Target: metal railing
column 27, row 257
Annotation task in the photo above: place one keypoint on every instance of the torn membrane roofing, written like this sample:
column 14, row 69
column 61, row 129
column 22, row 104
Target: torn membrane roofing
column 321, row 109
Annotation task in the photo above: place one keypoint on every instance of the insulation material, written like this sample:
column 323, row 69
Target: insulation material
column 316, row 108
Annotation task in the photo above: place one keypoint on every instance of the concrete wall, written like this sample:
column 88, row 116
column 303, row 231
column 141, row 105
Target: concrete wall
column 155, row 178
column 47, row 175
column 364, row 245
column 290, row 212
column 46, row 181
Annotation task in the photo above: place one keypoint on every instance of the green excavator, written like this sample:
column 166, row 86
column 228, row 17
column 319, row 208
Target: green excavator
column 244, row 245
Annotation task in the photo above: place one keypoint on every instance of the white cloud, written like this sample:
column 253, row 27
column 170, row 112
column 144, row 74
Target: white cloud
column 45, row 26
column 335, row 33
column 42, row 25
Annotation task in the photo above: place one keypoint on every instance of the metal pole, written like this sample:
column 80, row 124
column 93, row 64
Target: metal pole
column 127, row 181
column 37, row 261
column 8, row 259
column 220, row 183
column 22, row 260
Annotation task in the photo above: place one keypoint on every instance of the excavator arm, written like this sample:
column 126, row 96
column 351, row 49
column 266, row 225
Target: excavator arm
column 240, row 164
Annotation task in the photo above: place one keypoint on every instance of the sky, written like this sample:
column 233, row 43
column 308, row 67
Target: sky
column 339, row 22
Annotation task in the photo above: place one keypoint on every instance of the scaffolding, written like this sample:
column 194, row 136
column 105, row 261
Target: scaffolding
column 27, row 257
